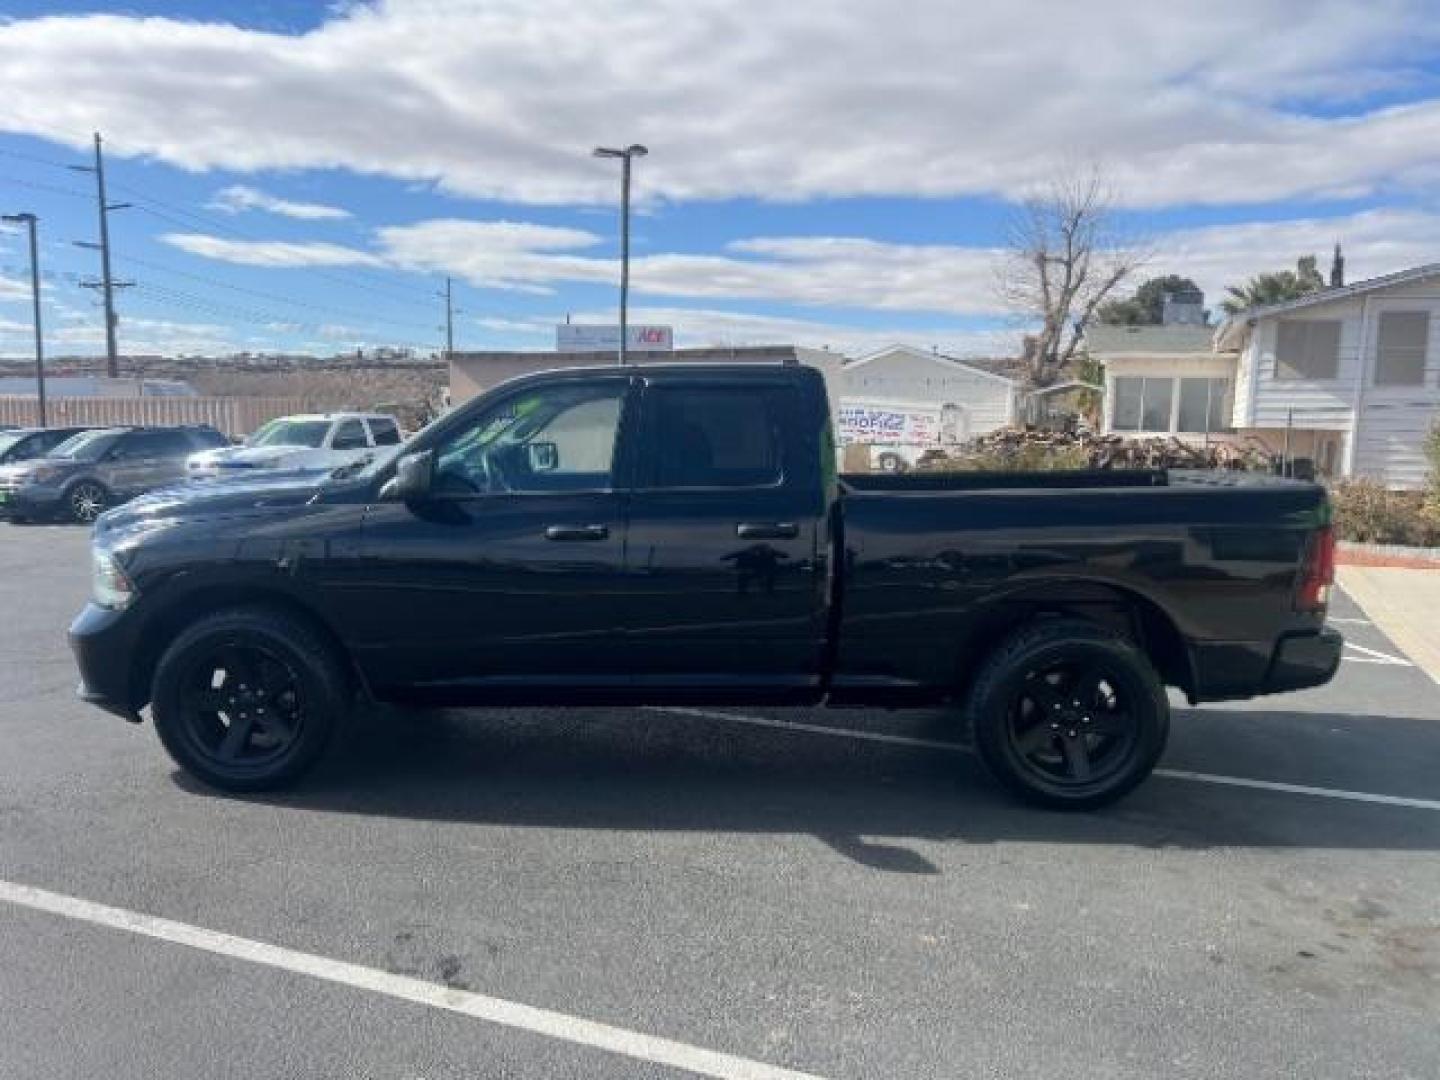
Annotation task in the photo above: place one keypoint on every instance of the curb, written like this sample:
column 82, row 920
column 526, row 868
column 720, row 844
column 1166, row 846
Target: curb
column 1349, row 553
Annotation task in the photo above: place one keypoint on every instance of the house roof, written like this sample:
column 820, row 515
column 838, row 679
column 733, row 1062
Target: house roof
column 1231, row 330
column 1149, row 340
column 923, row 354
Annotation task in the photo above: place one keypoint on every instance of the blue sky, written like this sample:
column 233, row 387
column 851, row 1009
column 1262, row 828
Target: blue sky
column 305, row 175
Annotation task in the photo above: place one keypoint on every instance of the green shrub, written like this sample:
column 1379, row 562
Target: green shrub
column 1368, row 513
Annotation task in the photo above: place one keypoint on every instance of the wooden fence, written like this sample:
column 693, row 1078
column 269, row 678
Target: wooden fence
column 232, row 415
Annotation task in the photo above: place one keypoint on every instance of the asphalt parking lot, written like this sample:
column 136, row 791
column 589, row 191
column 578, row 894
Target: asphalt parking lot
column 525, row 893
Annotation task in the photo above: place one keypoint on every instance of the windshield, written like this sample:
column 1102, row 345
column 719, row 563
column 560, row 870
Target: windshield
column 309, row 433
column 87, row 446
column 9, row 439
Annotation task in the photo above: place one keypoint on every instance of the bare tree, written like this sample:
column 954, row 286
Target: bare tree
column 1064, row 257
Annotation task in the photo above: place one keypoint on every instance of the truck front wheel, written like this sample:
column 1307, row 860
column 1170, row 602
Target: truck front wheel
column 246, row 699
column 1068, row 714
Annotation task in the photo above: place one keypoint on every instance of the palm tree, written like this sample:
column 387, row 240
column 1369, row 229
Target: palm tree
column 1274, row 288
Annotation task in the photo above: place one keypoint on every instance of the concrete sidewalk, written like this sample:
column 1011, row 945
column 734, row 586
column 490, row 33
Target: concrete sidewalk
column 1405, row 604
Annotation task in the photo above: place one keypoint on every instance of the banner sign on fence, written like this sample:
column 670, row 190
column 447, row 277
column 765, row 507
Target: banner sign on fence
column 888, row 425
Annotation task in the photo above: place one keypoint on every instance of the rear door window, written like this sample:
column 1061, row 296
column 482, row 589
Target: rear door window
column 717, row 436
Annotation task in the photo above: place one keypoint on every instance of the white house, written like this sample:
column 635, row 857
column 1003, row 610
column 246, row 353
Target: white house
column 978, row 400
column 1348, row 376
column 1355, row 369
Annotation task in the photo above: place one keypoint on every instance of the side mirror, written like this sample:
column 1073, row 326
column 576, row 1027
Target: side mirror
column 414, row 475
column 544, row 456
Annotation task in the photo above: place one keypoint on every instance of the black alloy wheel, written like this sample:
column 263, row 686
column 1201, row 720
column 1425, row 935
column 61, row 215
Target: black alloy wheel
column 243, row 706
column 1069, row 714
column 248, row 698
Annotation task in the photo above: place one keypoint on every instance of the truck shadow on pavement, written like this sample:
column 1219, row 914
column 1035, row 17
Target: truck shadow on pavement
column 637, row 770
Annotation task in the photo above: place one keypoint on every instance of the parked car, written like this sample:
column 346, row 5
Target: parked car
column 22, row 444
column 99, row 468
column 321, row 441
column 678, row 534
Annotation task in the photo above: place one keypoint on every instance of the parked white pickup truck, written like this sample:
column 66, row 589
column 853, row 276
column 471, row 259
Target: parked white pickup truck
column 311, row 441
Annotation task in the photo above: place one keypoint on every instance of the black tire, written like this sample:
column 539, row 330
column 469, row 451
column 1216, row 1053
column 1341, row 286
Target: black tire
column 247, row 699
column 86, row 500
column 1069, row 715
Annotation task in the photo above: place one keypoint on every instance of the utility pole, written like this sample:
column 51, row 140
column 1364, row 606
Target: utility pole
column 449, row 321
column 634, row 150
column 31, row 221
column 107, row 285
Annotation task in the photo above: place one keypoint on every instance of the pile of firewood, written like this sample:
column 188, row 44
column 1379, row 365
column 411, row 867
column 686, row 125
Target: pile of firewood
column 1039, row 448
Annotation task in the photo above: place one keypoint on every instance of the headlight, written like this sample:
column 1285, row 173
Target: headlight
column 110, row 586
column 41, row 473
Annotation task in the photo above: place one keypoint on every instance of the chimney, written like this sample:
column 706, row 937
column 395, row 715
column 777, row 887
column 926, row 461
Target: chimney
column 1184, row 307
column 1337, row 268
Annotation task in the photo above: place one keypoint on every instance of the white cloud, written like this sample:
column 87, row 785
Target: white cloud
column 271, row 253
column 238, row 198
column 1190, row 103
column 834, row 272
column 14, row 288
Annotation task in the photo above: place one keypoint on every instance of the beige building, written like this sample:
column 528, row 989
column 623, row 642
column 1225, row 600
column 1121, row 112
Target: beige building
column 473, row 373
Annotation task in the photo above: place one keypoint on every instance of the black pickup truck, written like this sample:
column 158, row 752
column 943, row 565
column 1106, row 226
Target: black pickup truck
column 679, row 533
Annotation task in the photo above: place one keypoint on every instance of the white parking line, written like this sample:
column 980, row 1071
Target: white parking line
column 554, row 1025
column 1374, row 656
column 958, row 748
column 1348, row 622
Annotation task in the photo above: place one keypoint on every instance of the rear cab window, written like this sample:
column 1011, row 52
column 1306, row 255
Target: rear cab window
column 384, row 431
column 349, row 435
column 716, row 436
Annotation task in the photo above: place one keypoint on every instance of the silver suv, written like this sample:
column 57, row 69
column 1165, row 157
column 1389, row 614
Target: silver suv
column 94, row 470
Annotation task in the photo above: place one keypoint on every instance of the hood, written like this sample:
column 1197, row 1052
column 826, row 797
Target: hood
column 257, row 456
column 252, row 495
column 22, row 469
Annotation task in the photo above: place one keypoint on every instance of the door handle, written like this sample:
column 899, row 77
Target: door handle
column 767, row 530
column 576, row 532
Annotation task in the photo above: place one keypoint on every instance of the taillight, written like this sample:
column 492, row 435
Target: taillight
column 1318, row 573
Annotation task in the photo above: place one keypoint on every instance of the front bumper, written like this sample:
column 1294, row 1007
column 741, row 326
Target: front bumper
column 31, row 500
column 104, row 643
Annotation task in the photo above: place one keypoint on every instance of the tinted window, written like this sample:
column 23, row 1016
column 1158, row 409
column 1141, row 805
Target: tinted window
column 384, row 432
column 88, row 445
column 556, row 438
column 349, row 436
column 157, row 444
column 206, row 436
column 717, row 436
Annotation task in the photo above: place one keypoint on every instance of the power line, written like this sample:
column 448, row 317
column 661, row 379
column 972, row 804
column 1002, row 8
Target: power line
column 190, row 301
column 39, row 186
column 272, row 297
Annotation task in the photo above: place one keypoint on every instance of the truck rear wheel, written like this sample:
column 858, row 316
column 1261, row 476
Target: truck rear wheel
column 1067, row 714
column 247, row 699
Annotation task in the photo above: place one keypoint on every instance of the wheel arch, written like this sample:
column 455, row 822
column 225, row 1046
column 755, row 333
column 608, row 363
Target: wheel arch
column 1107, row 604
column 181, row 611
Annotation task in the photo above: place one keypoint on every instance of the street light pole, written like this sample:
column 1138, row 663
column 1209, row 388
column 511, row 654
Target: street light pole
column 634, row 150
column 30, row 220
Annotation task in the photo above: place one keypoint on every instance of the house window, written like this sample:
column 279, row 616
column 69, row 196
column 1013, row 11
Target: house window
column 1202, row 404
column 1142, row 404
column 1307, row 349
column 1400, row 348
